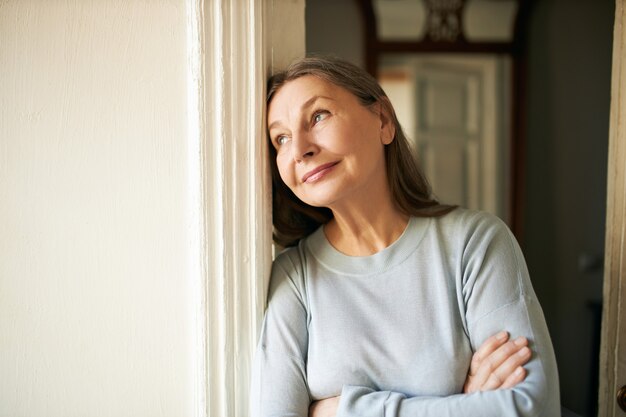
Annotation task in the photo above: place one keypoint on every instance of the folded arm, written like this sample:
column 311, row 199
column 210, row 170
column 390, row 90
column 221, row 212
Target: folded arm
column 497, row 294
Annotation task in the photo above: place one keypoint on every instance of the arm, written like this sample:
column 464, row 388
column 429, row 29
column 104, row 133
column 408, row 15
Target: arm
column 279, row 387
column 497, row 293
column 496, row 365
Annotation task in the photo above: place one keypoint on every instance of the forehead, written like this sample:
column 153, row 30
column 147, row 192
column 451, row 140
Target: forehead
column 295, row 93
column 304, row 85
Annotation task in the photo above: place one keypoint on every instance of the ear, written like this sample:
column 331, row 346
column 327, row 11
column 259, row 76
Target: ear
column 387, row 127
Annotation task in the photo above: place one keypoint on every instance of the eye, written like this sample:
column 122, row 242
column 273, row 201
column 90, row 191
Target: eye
column 282, row 139
column 319, row 116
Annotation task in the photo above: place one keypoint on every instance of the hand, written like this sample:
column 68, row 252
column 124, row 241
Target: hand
column 497, row 364
column 324, row 408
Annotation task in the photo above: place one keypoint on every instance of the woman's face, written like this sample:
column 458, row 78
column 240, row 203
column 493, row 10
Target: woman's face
column 329, row 147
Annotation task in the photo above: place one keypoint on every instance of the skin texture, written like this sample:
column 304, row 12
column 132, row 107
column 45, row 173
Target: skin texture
column 330, row 153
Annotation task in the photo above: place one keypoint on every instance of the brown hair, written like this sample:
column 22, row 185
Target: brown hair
column 410, row 191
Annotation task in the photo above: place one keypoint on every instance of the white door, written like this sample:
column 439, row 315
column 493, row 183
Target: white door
column 456, row 111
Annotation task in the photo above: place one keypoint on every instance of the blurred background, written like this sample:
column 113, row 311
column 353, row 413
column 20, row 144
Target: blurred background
column 507, row 104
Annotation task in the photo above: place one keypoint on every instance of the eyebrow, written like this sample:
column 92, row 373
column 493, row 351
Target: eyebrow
column 304, row 106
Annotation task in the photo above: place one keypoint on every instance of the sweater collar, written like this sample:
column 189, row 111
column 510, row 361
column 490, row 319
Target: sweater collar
column 320, row 248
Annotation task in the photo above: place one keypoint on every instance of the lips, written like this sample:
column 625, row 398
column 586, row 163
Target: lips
column 318, row 172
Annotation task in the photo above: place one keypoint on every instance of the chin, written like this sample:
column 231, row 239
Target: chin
column 323, row 195
column 314, row 201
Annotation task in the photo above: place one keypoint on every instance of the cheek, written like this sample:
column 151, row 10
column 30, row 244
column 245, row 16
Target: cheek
column 285, row 170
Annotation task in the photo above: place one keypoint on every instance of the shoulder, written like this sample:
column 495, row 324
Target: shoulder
column 466, row 219
column 289, row 270
column 470, row 227
column 290, row 259
column 485, row 244
column 476, row 239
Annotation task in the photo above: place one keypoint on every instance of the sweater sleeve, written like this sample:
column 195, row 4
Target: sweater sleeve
column 497, row 294
column 278, row 382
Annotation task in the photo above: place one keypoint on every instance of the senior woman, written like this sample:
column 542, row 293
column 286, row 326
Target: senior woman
column 386, row 302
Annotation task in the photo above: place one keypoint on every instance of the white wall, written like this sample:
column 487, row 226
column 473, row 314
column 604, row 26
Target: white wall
column 95, row 283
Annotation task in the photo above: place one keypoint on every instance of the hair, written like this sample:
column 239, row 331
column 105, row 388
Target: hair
column 410, row 191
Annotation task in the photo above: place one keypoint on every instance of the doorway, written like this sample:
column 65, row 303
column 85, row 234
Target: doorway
column 566, row 119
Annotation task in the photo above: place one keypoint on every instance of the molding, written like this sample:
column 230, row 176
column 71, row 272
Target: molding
column 196, row 123
column 236, row 194
column 428, row 46
column 232, row 48
column 612, row 365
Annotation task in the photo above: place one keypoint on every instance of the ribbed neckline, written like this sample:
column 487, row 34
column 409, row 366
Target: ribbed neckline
column 320, row 248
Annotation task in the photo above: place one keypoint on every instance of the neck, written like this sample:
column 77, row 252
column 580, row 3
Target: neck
column 366, row 229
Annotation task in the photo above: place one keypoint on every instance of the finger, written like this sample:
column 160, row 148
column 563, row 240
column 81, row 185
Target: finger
column 501, row 374
column 472, row 385
column 515, row 378
column 485, row 377
column 487, row 348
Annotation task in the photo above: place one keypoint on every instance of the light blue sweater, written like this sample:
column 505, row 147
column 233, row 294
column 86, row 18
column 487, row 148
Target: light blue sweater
column 393, row 333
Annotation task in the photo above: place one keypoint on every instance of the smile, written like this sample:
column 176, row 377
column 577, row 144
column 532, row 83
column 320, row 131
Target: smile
column 319, row 172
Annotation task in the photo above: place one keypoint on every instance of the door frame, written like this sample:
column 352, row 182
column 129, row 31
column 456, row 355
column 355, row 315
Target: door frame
column 613, row 344
column 232, row 49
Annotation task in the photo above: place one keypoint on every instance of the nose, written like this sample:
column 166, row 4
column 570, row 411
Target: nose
column 303, row 146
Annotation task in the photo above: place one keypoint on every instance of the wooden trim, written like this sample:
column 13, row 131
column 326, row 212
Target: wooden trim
column 519, row 107
column 370, row 36
column 517, row 176
column 444, row 47
column 233, row 48
column 612, row 369
column 520, row 26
